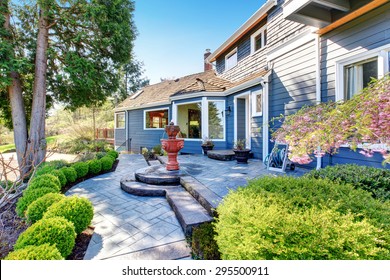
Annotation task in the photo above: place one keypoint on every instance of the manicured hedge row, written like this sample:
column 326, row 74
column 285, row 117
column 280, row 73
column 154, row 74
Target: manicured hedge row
column 302, row 218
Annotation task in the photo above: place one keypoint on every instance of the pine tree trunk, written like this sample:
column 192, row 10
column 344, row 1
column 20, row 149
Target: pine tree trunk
column 17, row 107
column 37, row 143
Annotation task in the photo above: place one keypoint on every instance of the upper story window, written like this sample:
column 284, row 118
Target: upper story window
column 355, row 73
column 156, row 118
column 231, row 59
column 258, row 39
column 120, row 120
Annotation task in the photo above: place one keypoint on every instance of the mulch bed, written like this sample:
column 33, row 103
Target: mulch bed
column 11, row 226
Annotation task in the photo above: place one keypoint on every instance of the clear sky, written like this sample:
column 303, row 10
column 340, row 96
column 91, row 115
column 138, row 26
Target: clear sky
column 174, row 34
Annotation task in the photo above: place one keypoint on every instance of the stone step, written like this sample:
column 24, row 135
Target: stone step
column 188, row 210
column 224, row 155
column 207, row 198
column 158, row 175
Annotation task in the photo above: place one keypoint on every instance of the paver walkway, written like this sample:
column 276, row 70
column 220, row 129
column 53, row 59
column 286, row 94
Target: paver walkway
column 128, row 226
column 134, row 227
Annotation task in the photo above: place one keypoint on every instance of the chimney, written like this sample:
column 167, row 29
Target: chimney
column 207, row 65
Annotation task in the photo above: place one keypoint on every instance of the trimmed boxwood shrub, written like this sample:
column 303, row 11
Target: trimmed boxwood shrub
column 76, row 209
column 81, row 169
column 45, row 181
column 29, row 196
column 56, row 231
column 301, row 218
column 41, row 252
column 113, row 153
column 107, row 163
column 95, row 166
column 60, row 175
column 70, row 174
column 374, row 180
column 49, row 166
column 37, row 208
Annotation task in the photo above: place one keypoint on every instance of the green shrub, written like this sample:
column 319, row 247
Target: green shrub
column 56, row 231
column 99, row 155
column 95, row 166
column 29, row 196
column 107, row 163
column 203, row 243
column 374, row 180
column 113, row 153
column 49, row 166
column 70, row 174
column 301, row 218
column 81, row 169
column 60, row 175
column 31, row 252
column 75, row 209
column 37, row 208
column 45, row 181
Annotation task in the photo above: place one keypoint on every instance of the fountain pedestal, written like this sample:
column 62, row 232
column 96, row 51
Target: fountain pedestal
column 172, row 146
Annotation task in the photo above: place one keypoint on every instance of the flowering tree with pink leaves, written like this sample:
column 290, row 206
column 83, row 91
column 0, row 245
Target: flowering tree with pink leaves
column 363, row 121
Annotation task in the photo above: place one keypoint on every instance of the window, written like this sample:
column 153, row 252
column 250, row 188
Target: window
column 258, row 39
column 358, row 75
column 156, row 118
column 231, row 59
column 120, row 120
column 355, row 72
column 257, row 103
column 189, row 118
column 216, row 120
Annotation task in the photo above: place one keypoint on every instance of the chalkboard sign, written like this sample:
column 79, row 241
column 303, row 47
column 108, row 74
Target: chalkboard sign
column 277, row 159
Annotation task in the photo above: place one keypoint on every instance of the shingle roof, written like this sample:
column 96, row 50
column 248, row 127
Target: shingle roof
column 160, row 92
column 201, row 82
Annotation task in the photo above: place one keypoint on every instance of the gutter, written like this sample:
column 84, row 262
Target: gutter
column 149, row 105
column 259, row 15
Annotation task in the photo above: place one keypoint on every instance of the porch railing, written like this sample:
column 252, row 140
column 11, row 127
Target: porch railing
column 106, row 134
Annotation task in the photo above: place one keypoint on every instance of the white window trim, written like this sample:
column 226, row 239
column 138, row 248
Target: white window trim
column 254, row 102
column 254, row 35
column 224, row 119
column 229, row 55
column 383, row 66
column 152, row 110
column 115, row 120
column 176, row 115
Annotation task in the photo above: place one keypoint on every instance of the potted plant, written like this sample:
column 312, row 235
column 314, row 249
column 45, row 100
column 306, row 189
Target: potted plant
column 241, row 152
column 207, row 145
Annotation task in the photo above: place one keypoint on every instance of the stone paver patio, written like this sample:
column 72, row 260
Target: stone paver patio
column 136, row 227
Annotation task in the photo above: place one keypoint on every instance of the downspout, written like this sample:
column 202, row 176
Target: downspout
column 318, row 85
column 265, row 84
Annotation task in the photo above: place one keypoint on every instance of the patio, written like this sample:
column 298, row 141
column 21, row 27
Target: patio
column 128, row 226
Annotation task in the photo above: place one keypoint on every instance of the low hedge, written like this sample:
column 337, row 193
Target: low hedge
column 78, row 210
column 95, row 166
column 70, row 174
column 56, row 231
column 374, row 180
column 203, row 243
column 60, row 175
column 81, row 168
column 107, row 162
column 32, row 252
column 113, row 153
column 37, row 208
column 29, row 196
column 302, row 218
column 45, row 181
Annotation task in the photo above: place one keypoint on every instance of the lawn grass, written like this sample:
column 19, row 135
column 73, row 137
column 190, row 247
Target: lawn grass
column 11, row 147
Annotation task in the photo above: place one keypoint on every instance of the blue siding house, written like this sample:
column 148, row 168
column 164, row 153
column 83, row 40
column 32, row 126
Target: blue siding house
column 288, row 54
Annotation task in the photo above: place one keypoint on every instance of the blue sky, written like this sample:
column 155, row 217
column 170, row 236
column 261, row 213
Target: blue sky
column 173, row 34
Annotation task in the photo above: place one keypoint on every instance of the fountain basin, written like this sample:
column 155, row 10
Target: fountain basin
column 172, row 147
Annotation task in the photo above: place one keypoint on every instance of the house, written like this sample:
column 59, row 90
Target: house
column 287, row 55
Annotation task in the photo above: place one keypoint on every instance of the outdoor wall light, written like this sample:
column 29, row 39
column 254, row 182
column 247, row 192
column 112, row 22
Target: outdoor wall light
column 228, row 110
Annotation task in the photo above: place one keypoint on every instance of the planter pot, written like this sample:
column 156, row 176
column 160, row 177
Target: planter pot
column 242, row 156
column 206, row 148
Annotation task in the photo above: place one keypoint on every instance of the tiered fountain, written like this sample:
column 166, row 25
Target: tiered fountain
column 172, row 146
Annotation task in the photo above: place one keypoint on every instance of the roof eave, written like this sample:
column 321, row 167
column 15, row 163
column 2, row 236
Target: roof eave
column 143, row 106
column 249, row 24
